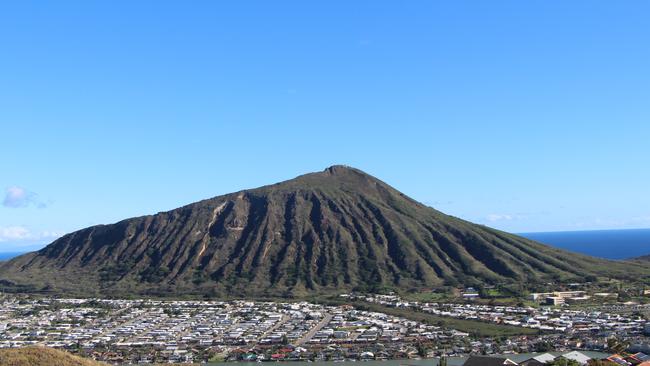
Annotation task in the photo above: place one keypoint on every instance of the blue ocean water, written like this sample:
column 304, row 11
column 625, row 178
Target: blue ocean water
column 9, row 255
column 610, row 244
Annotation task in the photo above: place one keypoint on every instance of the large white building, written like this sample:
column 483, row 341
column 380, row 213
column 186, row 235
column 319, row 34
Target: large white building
column 560, row 294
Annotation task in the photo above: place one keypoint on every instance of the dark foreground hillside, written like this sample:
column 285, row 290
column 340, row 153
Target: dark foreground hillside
column 645, row 258
column 42, row 356
column 325, row 232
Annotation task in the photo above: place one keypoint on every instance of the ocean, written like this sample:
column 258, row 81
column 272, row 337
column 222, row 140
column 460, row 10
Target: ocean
column 9, row 255
column 609, row 244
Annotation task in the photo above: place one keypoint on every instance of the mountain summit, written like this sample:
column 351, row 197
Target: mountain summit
column 336, row 230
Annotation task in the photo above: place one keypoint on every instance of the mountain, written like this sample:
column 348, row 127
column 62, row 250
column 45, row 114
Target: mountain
column 42, row 356
column 326, row 232
column 644, row 258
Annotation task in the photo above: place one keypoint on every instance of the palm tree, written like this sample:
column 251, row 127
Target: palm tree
column 443, row 361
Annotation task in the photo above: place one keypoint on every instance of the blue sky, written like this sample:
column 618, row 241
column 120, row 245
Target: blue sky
column 521, row 115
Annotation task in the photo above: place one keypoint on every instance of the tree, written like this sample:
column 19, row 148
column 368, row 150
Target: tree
column 561, row 361
column 443, row 361
column 543, row 346
column 422, row 351
column 591, row 278
column 616, row 346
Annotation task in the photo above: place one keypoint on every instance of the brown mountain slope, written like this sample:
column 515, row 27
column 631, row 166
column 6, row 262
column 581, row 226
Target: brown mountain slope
column 42, row 356
column 332, row 231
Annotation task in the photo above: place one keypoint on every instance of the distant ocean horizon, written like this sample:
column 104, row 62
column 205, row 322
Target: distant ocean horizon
column 8, row 255
column 609, row 244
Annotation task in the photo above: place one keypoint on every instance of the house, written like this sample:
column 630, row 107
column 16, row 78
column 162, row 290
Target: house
column 638, row 359
column 619, row 360
column 488, row 361
column 579, row 357
column 532, row 362
column 367, row 355
column 542, row 359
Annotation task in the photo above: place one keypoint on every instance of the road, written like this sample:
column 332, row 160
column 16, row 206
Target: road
column 326, row 319
column 278, row 324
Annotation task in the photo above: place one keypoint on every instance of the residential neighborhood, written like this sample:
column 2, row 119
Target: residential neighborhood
column 545, row 318
column 148, row 331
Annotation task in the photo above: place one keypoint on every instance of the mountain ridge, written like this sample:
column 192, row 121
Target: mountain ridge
column 325, row 232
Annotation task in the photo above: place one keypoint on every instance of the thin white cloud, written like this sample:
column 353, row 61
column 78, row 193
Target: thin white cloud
column 642, row 220
column 14, row 233
column 437, row 203
column 17, row 197
column 499, row 217
column 609, row 223
column 21, row 233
